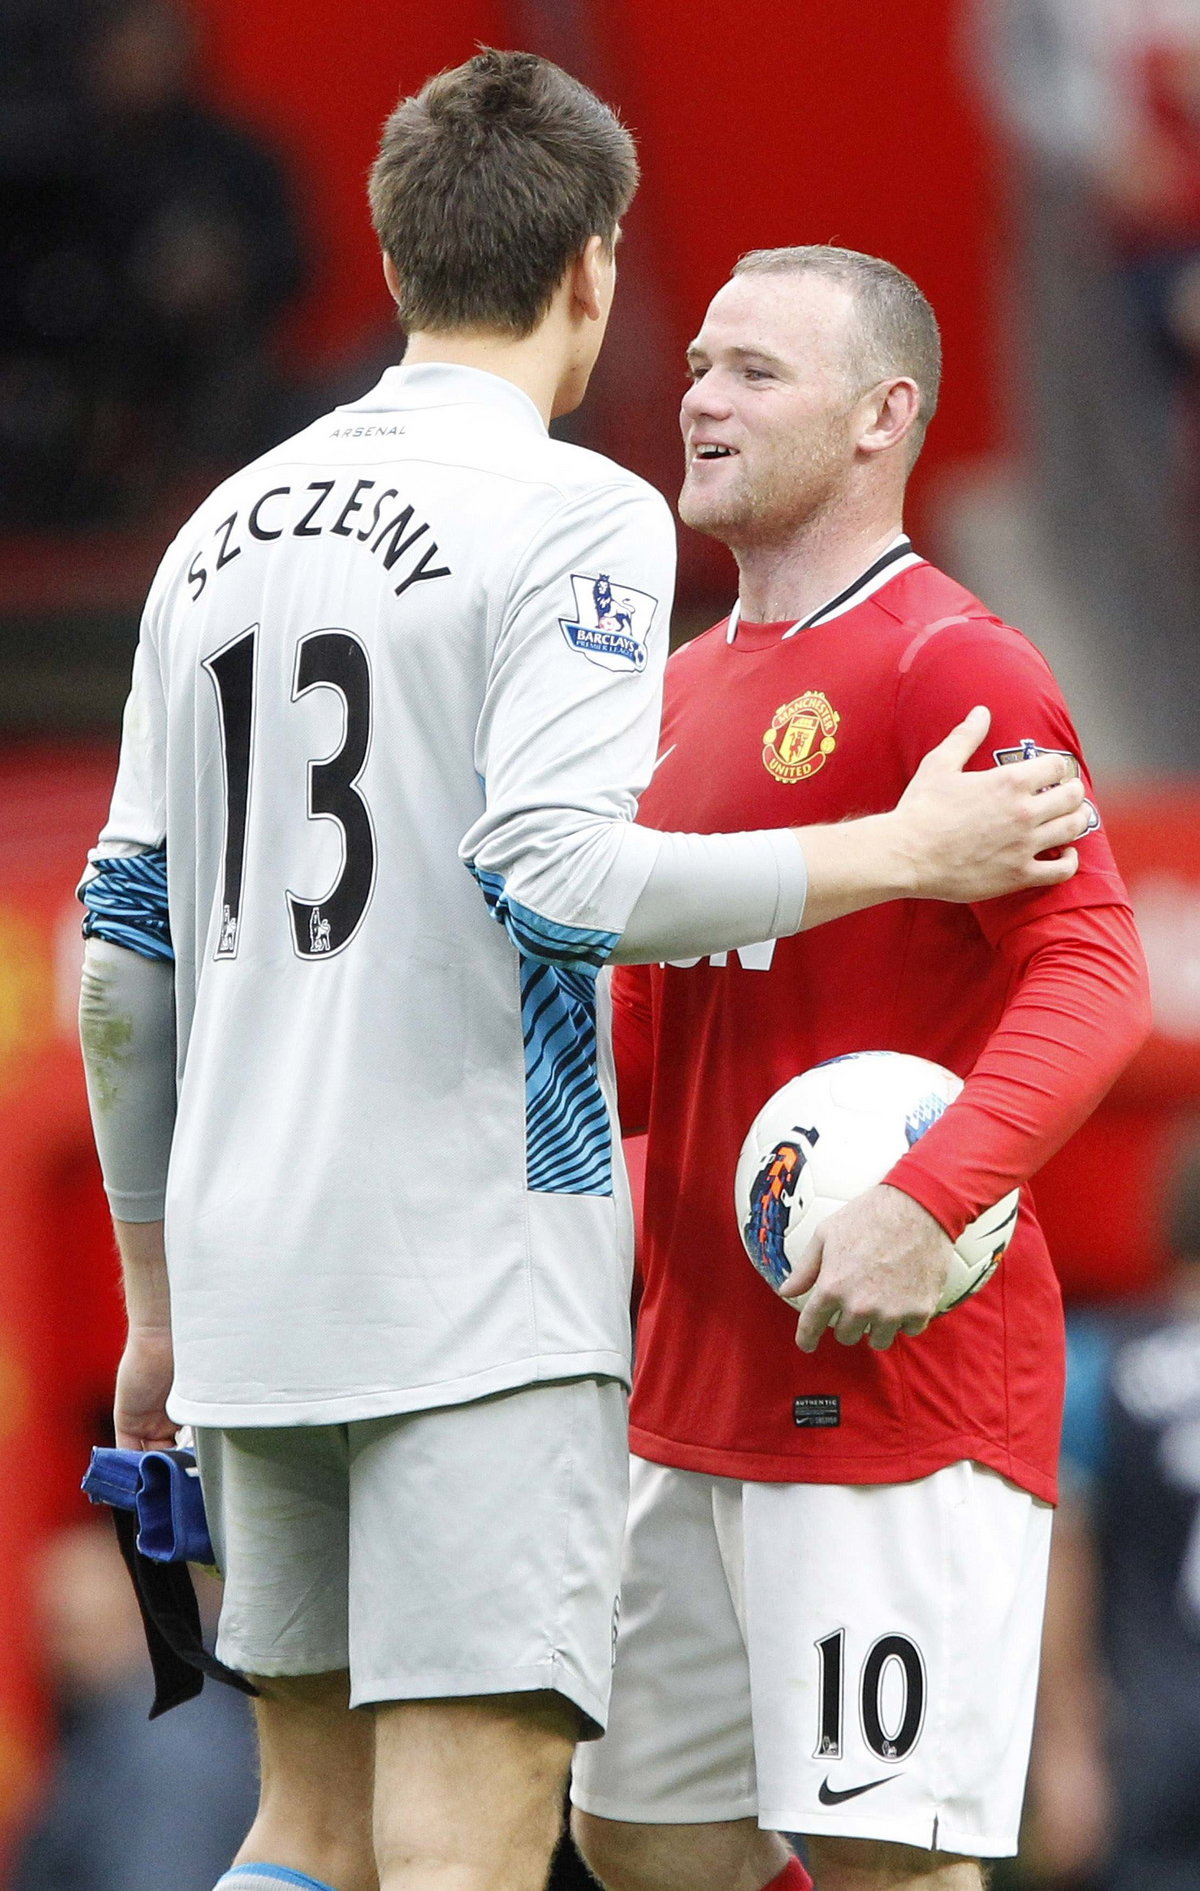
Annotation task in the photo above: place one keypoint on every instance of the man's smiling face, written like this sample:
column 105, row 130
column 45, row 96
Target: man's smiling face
column 768, row 422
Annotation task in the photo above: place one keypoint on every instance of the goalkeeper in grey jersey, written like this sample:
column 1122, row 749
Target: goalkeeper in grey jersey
column 372, row 844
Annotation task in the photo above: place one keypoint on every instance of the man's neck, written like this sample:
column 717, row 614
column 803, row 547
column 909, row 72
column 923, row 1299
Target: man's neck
column 793, row 579
column 528, row 362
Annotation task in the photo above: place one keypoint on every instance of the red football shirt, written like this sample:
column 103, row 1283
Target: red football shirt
column 817, row 727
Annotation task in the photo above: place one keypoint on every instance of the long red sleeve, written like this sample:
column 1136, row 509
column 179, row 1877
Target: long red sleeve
column 1079, row 1008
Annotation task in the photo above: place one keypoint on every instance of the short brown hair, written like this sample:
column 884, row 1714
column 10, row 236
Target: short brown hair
column 488, row 182
column 897, row 330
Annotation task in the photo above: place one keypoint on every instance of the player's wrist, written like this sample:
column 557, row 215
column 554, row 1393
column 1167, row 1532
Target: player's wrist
column 924, row 1199
column 856, row 864
column 905, row 1206
column 148, row 1338
column 897, row 860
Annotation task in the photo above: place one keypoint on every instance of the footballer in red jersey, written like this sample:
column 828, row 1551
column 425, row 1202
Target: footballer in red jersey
column 835, row 1571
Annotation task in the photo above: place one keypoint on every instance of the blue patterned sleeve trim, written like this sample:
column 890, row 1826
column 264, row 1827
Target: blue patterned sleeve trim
column 543, row 939
column 126, row 902
column 568, row 1135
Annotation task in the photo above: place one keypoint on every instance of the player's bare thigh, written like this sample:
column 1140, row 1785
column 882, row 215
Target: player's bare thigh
column 724, row 1855
column 469, row 1793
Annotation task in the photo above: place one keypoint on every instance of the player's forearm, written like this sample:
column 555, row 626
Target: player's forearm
column 578, row 888
column 582, row 886
column 140, row 1418
column 714, row 892
column 144, row 1275
column 1079, row 1010
column 854, row 865
column 127, row 1032
column 703, row 893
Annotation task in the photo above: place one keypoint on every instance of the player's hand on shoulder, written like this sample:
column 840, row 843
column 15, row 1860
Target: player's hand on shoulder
column 875, row 1268
column 977, row 835
column 144, row 1379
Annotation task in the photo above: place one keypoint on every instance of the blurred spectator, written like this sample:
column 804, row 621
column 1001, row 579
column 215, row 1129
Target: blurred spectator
column 1115, row 1779
column 147, row 246
column 130, row 1805
column 1149, row 189
column 1101, row 99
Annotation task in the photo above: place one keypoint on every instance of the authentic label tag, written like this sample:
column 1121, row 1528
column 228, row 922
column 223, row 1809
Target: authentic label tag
column 820, row 1410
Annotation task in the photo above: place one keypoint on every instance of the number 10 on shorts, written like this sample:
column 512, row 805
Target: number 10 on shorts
column 891, row 1696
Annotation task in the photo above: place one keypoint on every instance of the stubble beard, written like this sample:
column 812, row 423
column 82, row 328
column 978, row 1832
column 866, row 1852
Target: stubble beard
column 715, row 514
column 774, row 506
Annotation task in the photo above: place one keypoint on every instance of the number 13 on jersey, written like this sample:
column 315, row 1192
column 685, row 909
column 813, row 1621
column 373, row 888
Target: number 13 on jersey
column 325, row 659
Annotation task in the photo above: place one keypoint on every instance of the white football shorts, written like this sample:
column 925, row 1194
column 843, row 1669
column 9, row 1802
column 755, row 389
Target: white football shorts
column 853, row 1660
column 472, row 1549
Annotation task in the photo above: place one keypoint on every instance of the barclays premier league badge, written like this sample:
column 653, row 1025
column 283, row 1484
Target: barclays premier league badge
column 611, row 622
column 1027, row 749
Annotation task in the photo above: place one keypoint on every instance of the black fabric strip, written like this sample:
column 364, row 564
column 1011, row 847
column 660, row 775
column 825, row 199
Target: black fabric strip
column 171, row 1620
column 902, row 550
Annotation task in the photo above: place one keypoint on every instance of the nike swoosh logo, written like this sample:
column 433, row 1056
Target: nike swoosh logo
column 662, row 758
column 829, row 1797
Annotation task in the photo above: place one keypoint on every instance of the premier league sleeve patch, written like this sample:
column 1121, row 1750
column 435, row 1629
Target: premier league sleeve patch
column 611, row 622
column 1025, row 751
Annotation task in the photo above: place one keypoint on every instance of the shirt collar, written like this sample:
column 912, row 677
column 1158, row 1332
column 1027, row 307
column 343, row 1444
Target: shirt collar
column 446, row 384
column 899, row 556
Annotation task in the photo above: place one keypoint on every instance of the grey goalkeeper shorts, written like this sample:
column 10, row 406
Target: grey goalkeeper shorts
column 473, row 1549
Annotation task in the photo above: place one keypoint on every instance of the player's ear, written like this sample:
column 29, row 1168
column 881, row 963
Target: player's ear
column 391, row 277
column 889, row 413
column 591, row 279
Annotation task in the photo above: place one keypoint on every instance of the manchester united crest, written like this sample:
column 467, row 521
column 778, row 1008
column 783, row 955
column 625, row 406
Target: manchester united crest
column 801, row 738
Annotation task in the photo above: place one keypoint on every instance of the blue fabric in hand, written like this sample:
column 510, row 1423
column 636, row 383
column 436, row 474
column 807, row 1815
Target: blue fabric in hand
column 163, row 1488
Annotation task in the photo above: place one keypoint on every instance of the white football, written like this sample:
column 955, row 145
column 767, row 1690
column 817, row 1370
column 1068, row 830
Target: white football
column 830, row 1134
